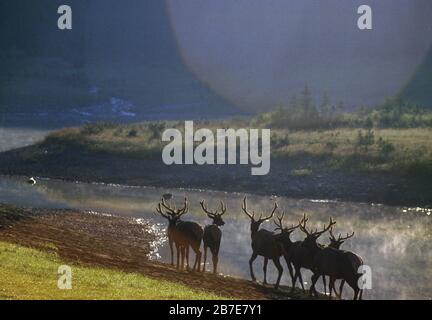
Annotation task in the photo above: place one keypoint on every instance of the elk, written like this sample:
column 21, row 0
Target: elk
column 336, row 243
column 182, row 234
column 213, row 234
column 264, row 243
column 338, row 264
column 303, row 252
column 285, row 239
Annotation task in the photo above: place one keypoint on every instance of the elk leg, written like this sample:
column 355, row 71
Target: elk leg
column 197, row 259
column 265, row 270
column 331, row 286
column 198, row 253
column 172, row 252
column 353, row 284
column 290, row 269
column 341, row 288
column 183, row 251
column 215, row 263
column 325, row 285
column 187, row 258
column 178, row 255
column 251, row 260
column 299, row 275
column 355, row 294
column 280, row 270
column 205, row 258
column 312, row 290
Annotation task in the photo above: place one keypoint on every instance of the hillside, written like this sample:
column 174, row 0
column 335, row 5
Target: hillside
column 47, row 70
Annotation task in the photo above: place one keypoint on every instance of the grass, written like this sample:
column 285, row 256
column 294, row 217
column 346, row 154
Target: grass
column 406, row 150
column 29, row 274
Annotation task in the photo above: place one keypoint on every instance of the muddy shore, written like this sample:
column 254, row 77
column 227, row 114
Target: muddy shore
column 76, row 164
column 108, row 241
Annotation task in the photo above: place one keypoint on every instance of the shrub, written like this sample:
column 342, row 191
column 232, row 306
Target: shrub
column 385, row 147
column 96, row 128
column 365, row 140
column 133, row 133
column 279, row 140
column 156, row 129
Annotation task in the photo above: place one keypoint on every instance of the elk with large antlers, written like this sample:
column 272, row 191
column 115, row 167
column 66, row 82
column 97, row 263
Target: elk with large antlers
column 182, row 234
column 303, row 252
column 213, row 234
column 338, row 264
column 336, row 243
column 264, row 243
column 285, row 239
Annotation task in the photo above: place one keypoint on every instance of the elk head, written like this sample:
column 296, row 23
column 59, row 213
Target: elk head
column 172, row 214
column 312, row 236
column 255, row 224
column 216, row 216
column 337, row 242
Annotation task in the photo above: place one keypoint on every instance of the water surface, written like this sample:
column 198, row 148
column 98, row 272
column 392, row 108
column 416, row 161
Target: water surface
column 394, row 241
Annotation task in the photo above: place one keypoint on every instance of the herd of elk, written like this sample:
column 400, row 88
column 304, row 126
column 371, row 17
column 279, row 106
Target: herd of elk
column 322, row 260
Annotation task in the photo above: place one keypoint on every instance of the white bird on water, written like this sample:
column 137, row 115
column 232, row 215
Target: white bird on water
column 31, row 181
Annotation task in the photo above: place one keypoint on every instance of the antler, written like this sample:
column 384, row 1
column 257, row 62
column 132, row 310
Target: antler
column 185, row 208
column 167, row 207
column 251, row 216
column 212, row 214
column 346, row 237
column 279, row 226
column 171, row 212
column 223, row 208
column 302, row 224
column 325, row 229
column 340, row 238
column 245, row 210
column 159, row 210
column 271, row 214
column 332, row 235
column 204, row 207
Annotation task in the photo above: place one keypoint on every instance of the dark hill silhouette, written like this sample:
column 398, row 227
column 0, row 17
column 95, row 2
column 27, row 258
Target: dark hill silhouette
column 419, row 89
column 116, row 49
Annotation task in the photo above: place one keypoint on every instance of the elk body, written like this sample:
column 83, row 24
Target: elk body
column 303, row 252
column 182, row 234
column 213, row 234
column 336, row 243
column 264, row 243
column 285, row 239
column 338, row 264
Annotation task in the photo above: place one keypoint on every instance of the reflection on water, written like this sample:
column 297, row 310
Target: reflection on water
column 394, row 241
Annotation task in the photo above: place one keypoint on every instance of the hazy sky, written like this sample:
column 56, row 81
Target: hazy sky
column 259, row 53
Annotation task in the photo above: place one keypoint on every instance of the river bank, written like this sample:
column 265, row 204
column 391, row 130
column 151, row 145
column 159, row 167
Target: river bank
column 286, row 177
column 113, row 243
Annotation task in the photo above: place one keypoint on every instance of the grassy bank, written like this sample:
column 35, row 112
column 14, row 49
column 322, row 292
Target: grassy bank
column 402, row 150
column 31, row 274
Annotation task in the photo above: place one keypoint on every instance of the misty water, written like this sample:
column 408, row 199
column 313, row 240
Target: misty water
column 394, row 241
